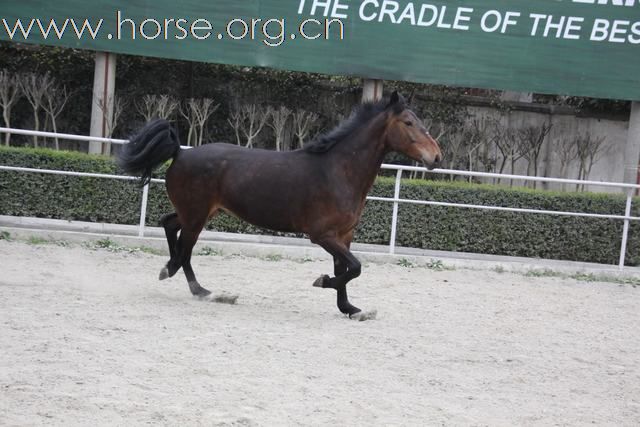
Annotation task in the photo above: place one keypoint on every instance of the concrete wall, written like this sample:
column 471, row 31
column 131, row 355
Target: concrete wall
column 609, row 167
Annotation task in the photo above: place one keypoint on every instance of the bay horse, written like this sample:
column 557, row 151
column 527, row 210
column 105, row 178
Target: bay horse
column 319, row 190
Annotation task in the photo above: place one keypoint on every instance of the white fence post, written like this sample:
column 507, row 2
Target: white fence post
column 394, row 218
column 625, row 229
column 143, row 210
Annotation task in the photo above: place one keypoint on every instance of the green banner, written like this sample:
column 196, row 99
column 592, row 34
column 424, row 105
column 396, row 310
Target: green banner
column 569, row 47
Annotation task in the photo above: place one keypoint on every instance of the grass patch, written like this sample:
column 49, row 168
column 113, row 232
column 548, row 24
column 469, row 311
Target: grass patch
column 5, row 235
column 543, row 273
column 403, row 262
column 433, row 264
column 105, row 243
column 209, row 251
column 302, row 260
column 586, row 277
column 37, row 240
column 111, row 246
column 149, row 250
column 438, row 265
column 590, row 277
column 273, row 257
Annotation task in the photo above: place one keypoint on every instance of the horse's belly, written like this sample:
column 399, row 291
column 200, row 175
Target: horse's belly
column 266, row 206
column 263, row 221
column 264, row 215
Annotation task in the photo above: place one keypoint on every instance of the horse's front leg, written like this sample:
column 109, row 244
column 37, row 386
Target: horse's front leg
column 346, row 268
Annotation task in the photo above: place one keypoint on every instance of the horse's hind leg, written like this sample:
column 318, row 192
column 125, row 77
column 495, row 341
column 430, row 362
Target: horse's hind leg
column 186, row 242
column 171, row 226
column 346, row 268
column 192, row 224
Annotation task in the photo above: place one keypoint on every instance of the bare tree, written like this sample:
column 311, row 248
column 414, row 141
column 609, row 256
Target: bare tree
column 235, row 120
column 35, row 87
column 566, row 148
column 461, row 145
column 197, row 112
column 506, row 142
column 118, row 104
column 279, row 119
column 452, row 144
column 157, row 107
column 477, row 137
column 502, row 141
column 10, row 93
column 189, row 116
column 589, row 149
column 249, row 120
column 303, row 124
column 256, row 118
column 530, row 141
column 54, row 101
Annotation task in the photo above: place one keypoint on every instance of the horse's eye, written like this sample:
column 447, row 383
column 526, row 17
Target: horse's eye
column 408, row 123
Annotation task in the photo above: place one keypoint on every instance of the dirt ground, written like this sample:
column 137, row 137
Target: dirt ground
column 91, row 337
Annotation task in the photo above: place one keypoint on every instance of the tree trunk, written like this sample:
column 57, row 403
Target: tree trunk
column 37, row 127
column 7, row 120
column 55, row 138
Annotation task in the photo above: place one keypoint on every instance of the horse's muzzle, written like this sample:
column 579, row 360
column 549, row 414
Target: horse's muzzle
column 432, row 164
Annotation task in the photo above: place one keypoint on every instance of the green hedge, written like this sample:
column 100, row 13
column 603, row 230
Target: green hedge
column 439, row 228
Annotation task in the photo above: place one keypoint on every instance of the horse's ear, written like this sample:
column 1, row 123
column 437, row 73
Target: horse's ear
column 395, row 98
column 396, row 102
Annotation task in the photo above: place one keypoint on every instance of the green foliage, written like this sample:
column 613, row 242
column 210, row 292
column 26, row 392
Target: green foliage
column 429, row 227
column 502, row 233
column 437, row 265
column 273, row 257
column 403, row 262
column 105, row 243
column 209, row 251
column 542, row 273
column 111, row 246
column 35, row 240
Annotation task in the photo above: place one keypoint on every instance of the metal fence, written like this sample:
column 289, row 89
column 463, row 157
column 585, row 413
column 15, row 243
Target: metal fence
column 630, row 189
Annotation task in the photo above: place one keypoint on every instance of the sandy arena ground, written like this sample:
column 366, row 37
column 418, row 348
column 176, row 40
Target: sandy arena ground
column 91, row 337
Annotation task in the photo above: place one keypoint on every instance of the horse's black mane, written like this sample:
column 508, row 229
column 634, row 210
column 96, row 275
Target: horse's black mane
column 359, row 116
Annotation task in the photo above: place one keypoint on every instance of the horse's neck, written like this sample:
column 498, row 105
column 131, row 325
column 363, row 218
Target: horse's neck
column 361, row 155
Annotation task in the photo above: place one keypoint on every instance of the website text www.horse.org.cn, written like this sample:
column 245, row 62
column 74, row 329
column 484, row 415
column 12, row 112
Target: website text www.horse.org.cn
column 272, row 32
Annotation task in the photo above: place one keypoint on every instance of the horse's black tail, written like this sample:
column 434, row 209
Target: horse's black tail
column 156, row 143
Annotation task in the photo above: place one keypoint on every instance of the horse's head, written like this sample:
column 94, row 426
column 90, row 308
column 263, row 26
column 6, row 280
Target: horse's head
column 405, row 133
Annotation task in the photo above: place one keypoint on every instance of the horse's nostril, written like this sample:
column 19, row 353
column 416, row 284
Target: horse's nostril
column 438, row 159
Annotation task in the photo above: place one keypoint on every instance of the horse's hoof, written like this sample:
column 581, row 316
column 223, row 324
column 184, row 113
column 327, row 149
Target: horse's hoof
column 202, row 294
column 320, row 281
column 164, row 273
column 361, row 316
column 198, row 291
column 225, row 299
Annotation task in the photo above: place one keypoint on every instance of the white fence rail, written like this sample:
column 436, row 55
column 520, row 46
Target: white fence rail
column 396, row 200
column 67, row 136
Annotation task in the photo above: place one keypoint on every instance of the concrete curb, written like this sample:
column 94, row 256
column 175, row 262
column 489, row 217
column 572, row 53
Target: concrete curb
column 287, row 247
